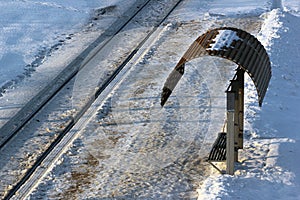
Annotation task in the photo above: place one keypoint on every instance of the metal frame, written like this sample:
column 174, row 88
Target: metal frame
column 235, row 120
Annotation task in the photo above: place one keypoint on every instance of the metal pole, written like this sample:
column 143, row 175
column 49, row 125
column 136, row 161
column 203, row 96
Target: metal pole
column 230, row 146
column 235, row 90
column 237, row 87
column 240, row 78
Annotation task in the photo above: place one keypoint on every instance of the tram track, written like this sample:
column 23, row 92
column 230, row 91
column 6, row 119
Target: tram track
column 10, row 130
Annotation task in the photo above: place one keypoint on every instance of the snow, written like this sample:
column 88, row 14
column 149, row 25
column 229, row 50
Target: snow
column 29, row 26
column 30, row 29
column 223, row 39
column 45, row 37
column 292, row 7
column 195, row 10
column 269, row 30
column 268, row 166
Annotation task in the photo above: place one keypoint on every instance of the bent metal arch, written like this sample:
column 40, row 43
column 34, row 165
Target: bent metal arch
column 230, row 43
column 251, row 57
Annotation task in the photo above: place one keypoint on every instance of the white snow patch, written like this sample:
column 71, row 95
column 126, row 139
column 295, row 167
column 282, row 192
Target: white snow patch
column 270, row 27
column 224, row 39
column 212, row 187
column 237, row 7
column 292, row 6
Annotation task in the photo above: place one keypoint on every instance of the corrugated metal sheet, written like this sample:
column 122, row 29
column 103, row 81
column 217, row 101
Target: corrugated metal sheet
column 230, row 43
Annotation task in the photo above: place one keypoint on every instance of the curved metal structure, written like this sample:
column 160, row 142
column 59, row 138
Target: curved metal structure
column 230, row 43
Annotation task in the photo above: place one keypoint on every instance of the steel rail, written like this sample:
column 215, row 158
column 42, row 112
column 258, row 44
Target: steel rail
column 18, row 121
column 78, row 118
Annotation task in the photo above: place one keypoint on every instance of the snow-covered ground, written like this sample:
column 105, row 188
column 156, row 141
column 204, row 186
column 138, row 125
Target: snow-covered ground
column 30, row 28
column 269, row 163
column 40, row 38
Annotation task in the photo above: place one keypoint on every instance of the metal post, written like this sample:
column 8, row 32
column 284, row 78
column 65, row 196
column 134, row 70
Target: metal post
column 235, row 90
column 237, row 86
column 230, row 149
column 240, row 79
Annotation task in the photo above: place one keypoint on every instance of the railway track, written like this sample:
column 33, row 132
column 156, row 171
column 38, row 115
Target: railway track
column 35, row 104
column 27, row 181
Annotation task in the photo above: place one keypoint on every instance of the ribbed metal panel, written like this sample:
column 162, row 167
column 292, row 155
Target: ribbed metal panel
column 233, row 44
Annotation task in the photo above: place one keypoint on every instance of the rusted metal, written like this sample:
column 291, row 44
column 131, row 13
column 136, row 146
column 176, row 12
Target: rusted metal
column 232, row 44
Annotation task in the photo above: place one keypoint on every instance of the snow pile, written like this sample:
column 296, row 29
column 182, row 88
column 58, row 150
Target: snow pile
column 269, row 29
column 292, row 6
